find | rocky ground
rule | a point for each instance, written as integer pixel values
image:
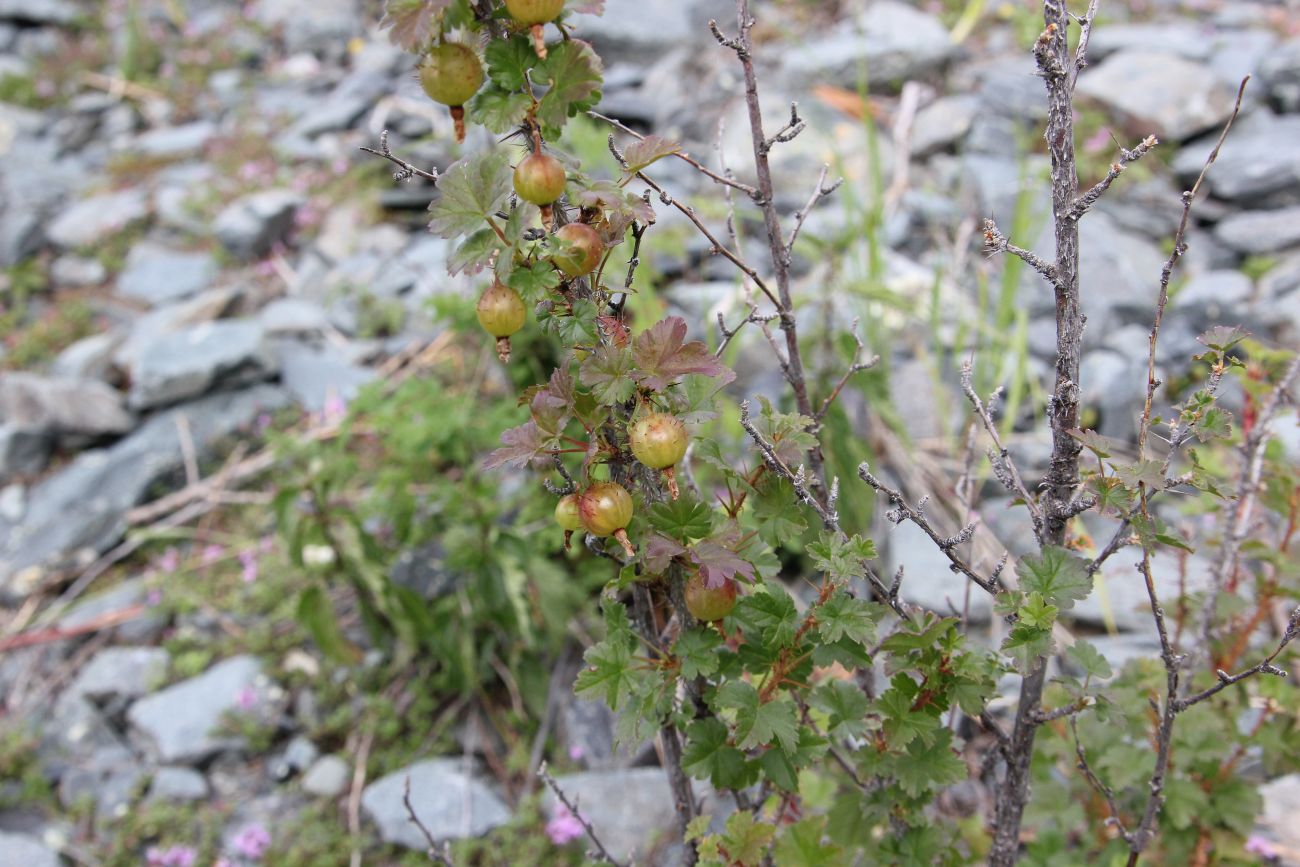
(194, 251)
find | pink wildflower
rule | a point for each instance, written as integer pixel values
(563, 827)
(576, 752)
(248, 560)
(212, 553)
(252, 842)
(170, 560)
(246, 698)
(1261, 846)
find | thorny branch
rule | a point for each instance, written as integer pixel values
(821, 192)
(799, 481)
(405, 171)
(1084, 203)
(793, 368)
(440, 856)
(601, 853)
(859, 364)
(901, 512)
(683, 156)
(996, 242)
(1003, 466)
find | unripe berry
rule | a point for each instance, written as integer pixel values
(582, 252)
(501, 313)
(566, 515)
(709, 603)
(539, 179)
(606, 510)
(530, 12)
(659, 441)
(450, 74)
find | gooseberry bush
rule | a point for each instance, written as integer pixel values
(804, 712)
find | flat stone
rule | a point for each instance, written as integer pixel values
(942, 124)
(59, 406)
(94, 220)
(1261, 231)
(328, 777)
(250, 226)
(1280, 72)
(644, 29)
(108, 778)
(1259, 165)
(176, 784)
(126, 594)
(316, 376)
(20, 850)
(293, 317)
(159, 275)
(99, 486)
(448, 799)
(927, 579)
(175, 141)
(894, 40)
(631, 809)
(1187, 40)
(77, 271)
(188, 363)
(179, 724)
(204, 307)
(312, 25)
(38, 12)
(23, 452)
(1281, 799)
(1158, 93)
(121, 672)
(89, 358)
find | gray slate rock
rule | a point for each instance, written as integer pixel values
(204, 307)
(38, 12)
(632, 810)
(121, 672)
(250, 226)
(293, 317)
(77, 271)
(1258, 166)
(313, 376)
(1216, 298)
(89, 358)
(328, 777)
(1280, 72)
(158, 274)
(895, 40)
(20, 850)
(179, 724)
(22, 452)
(1185, 39)
(322, 26)
(1261, 231)
(927, 579)
(175, 784)
(942, 124)
(175, 141)
(59, 406)
(451, 803)
(1159, 93)
(642, 30)
(188, 363)
(91, 221)
(144, 629)
(99, 486)
(108, 778)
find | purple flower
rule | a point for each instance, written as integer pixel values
(170, 560)
(154, 598)
(248, 559)
(335, 408)
(563, 827)
(1261, 846)
(212, 553)
(576, 752)
(246, 698)
(173, 856)
(252, 842)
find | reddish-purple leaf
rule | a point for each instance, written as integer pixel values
(658, 552)
(663, 356)
(719, 564)
(519, 445)
(412, 21)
